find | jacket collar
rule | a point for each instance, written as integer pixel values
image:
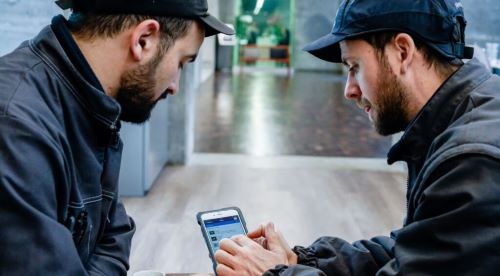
(72, 50)
(74, 70)
(438, 113)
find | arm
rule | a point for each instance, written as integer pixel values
(111, 254)
(455, 227)
(334, 256)
(33, 240)
(270, 254)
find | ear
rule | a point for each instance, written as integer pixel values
(144, 39)
(405, 49)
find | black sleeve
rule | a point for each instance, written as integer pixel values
(32, 240)
(456, 225)
(334, 256)
(111, 253)
(33, 196)
(110, 257)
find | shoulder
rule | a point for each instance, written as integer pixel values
(29, 91)
(475, 128)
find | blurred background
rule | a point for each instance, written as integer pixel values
(260, 124)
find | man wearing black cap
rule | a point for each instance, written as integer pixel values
(62, 97)
(406, 71)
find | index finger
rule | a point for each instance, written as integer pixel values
(243, 241)
(259, 232)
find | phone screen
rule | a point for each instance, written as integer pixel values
(220, 228)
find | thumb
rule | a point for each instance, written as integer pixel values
(272, 237)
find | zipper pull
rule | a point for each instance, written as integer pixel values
(113, 139)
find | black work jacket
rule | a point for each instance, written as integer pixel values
(59, 166)
(452, 227)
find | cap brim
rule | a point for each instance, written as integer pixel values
(214, 26)
(326, 48)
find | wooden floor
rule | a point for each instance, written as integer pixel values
(304, 202)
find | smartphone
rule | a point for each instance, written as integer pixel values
(219, 224)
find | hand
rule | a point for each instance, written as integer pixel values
(259, 236)
(243, 256)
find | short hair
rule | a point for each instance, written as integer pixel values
(91, 26)
(444, 66)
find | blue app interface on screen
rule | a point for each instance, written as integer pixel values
(220, 228)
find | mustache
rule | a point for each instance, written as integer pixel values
(363, 102)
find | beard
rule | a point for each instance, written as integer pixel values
(393, 103)
(137, 91)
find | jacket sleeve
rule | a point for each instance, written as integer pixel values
(455, 230)
(111, 254)
(334, 256)
(32, 240)
(33, 198)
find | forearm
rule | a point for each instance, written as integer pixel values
(112, 252)
(334, 256)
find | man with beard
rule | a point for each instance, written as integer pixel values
(406, 71)
(62, 96)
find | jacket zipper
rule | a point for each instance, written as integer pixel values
(114, 132)
(407, 187)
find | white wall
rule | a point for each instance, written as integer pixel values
(23, 19)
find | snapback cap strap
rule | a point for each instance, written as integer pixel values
(460, 50)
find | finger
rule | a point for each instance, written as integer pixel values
(229, 246)
(262, 241)
(243, 241)
(290, 255)
(222, 257)
(273, 240)
(283, 242)
(257, 233)
(223, 269)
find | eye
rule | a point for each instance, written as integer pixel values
(353, 69)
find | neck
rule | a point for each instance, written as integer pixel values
(106, 58)
(427, 81)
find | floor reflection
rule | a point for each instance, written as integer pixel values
(264, 114)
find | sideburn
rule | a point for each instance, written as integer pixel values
(136, 93)
(393, 102)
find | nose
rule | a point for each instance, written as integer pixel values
(173, 87)
(352, 90)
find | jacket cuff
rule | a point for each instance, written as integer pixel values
(275, 271)
(305, 256)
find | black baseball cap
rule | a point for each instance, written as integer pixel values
(438, 23)
(192, 9)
